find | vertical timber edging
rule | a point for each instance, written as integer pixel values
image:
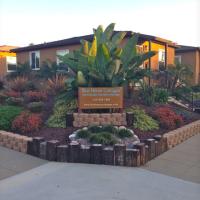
(117, 155)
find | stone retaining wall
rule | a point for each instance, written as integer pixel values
(86, 119)
(14, 141)
(179, 135)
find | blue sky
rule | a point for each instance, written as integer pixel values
(36, 21)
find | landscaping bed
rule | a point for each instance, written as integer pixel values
(43, 105)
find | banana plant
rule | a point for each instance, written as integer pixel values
(103, 62)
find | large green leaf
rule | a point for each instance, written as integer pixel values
(108, 32)
(117, 38)
(99, 34)
(129, 50)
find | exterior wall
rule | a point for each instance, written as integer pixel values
(50, 54)
(192, 59)
(45, 54)
(3, 63)
(3, 69)
(170, 55)
(22, 57)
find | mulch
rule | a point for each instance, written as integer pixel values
(62, 134)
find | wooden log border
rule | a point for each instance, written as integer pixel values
(98, 154)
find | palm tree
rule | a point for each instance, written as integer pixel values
(177, 76)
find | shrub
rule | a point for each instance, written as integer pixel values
(56, 84)
(3, 98)
(105, 138)
(181, 92)
(13, 93)
(58, 118)
(161, 95)
(36, 106)
(7, 115)
(148, 94)
(19, 84)
(142, 121)
(15, 101)
(168, 118)
(124, 133)
(83, 133)
(196, 88)
(27, 123)
(110, 128)
(21, 70)
(48, 70)
(36, 96)
(30, 86)
(95, 129)
(185, 114)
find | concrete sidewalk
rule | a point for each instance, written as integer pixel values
(182, 162)
(13, 162)
(54, 181)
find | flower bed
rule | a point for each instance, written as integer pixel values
(118, 154)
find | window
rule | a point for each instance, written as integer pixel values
(61, 53)
(11, 63)
(161, 59)
(139, 49)
(178, 59)
(35, 60)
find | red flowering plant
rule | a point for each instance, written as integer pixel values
(34, 96)
(12, 93)
(26, 123)
(168, 118)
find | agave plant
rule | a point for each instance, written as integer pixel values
(103, 62)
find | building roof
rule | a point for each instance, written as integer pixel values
(76, 41)
(7, 48)
(184, 48)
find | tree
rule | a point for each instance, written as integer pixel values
(177, 76)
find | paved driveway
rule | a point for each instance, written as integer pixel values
(51, 180)
(13, 162)
(182, 162)
(55, 181)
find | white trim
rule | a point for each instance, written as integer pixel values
(37, 53)
(161, 51)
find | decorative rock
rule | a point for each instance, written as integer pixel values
(141, 147)
(74, 151)
(85, 154)
(36, 145)
(51, 150)
(119, 154)
(96, 154)
(62, 153)
(108, 156)
(72, 137)
(43, 146)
